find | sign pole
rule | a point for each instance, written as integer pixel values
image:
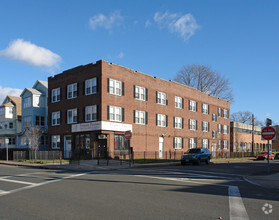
(7, 149)
(268, 168)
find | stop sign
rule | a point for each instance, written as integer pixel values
(268, 133)
(128, 135)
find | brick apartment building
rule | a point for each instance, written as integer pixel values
(91, 106)
(241, 138)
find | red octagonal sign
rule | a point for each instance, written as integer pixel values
(128, 135)
(268, 133)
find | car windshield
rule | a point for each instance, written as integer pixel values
(193, 151)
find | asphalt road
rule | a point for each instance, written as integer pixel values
(166, 192)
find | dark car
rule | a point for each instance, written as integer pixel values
(196, 156)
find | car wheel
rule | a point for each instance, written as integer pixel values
(198, 161)
(182, 163)
(207, 161)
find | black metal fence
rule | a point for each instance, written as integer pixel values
(38, 155)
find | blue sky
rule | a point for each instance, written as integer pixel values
(238, 39)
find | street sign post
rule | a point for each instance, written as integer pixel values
(128, 136)
(7, 149)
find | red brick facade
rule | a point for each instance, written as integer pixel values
(145, 137)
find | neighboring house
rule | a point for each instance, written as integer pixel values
(10, 121)
(91, 106)
(241, 138)
(34, 112)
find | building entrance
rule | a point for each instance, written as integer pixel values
(102, 148)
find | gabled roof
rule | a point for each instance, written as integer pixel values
(44, 83)
(15, 101)
(32, 91)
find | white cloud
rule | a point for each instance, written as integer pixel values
(8, 91)
(184, 25)
(107, 22)
(147, 24)
(32, 54)
(120, 55)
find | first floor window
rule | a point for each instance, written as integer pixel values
(55, 141)
(161, 120)
(192, 143)
(219, 144)
(225, 144)
(72, 116)
(23, 141)
(12, 141)
(115, 113)
(91, 113)
(55, 118)
(178, 122)
(140, 117)
(205, 143)
(178, 143)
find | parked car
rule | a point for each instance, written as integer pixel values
(196, 156)
(263, 156)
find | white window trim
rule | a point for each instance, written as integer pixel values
(91, 84)
(205, 126)
(178, 122)
(55, 93)
(178, 143)
(93, 109)
(205, 109)
(205, 143)
(192, 143)
(113, 89)
(138, 119)
(225, 129)
(112, 112)
(193, 126)
(54, 116)
(225, 113)
(193, 106)
(71, 120)
(73, 93)
(141, 94)
(54, 140)
(161, 120)
(161, 98)
(178, 102)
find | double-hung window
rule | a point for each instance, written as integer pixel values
(161, 98)
(192, 143)
(214, 118)
(161, 120)
(115, 87)
(140, 93)
(27, 121)
(225, 113)
(192, 105)
(55, 141)
(214, 134)
(40, 121)
(91, 86)
(139, 117)
(225, 129)
(72, 116)
(219, 144)
(178, 102)
(72, 91)
(55, 118)
(219, 112)
(91, 113)
(178, 122)
(225, 144)
(219, 128)
(178, 143)
(27, 102)
(115, 113)
(205, 143)
(192, 124)
(205, 126)
(55, 95)
(205, 109)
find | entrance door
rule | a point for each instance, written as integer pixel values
(102, 149)
(213, 150)
(67, 146)
(161, 147)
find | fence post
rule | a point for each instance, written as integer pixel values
(155, 156)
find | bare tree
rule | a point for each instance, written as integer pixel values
(246, 118)
(33, 135)
(205, 80)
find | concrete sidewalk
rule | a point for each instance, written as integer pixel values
(270, 181)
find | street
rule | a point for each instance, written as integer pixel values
(160, 192)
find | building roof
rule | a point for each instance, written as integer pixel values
(15, 101)
(44, 83)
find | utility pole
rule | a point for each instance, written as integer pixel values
(253, 140)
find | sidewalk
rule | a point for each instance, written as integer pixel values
(270, 181)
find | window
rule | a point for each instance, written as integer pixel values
(192, 143)
(23, 141)
(43, 140)
(140, 93)
(192, 124)
(2, 111)
(40, 121)
(205, 126)
(140, 117)
(219, 128)
(219, 144)
(225, 129)
(192, 106)
(214, 118)
(72, 91)
(72, 116)
(55, 118)
(12, 141)
(11, 125)
(10, 110)
(91, 113)
(178, 122)
(91, 86)
(36, 100)
(225, 113)
(219, 112)
(27, 102)
(205, 108)
(178, 143)
(225, 144)
(161, 98)
(178, 102)
(55, 95)
(55, 143)
(115, 113)
(27, 121)
(161, 120)
(214, 134)
(205, 143)
(115, 87)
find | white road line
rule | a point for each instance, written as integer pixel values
(16, 181)
(2, 192)
(237, 208)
